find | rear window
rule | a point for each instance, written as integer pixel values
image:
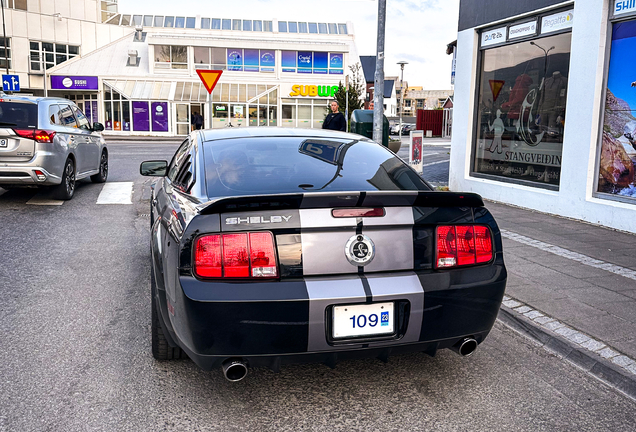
(23, 115)
(252, 166)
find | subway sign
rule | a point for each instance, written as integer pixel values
(313, 90)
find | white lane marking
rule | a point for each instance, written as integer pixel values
(41, 199)
(574, 256)
(435, 163)
(573, 335)
(116, 193)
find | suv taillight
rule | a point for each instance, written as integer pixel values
(42, 136)
(240, 255)
(463, 245)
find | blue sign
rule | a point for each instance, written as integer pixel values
(305, 61)
(235, 59)
(11, 83)
(335, 61)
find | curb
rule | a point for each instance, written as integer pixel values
(590, 362)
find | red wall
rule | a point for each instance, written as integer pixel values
(430, 120)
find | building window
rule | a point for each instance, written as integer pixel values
(171, 57)
(313, 28)
(5, 53)
(521, 110)
(282, 26)
(191, 22)
(236, 24)
(169, 22)
(158, 21)
(147, 21)
(268, 26)
(618, 143)
(136, 21)
(216, 24)
(293, 27)
(333, 28)
(247, 25)
(322, 28)
(420, 103)
(302, 27)
(227, 24)
(108, 7)
(210, 58)
(125, 20)
(21, 4)
(342, 29)
(258, 25)
(205, 23)
(179, 22)
(50, 54)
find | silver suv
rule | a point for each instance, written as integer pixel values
(49, 142)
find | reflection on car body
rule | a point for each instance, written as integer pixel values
(279, 246)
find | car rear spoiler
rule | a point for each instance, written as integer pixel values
(341, 199)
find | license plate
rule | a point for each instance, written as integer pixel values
(363, 320)
(3, 142)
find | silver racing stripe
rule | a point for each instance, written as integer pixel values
(325, 292)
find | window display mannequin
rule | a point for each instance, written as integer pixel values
(517, 96)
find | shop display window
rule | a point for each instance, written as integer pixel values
(618, 143)
(521, 111)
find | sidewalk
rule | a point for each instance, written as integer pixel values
(572, 285)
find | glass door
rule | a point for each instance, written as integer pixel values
(182, 118)
(220, 119)
(238, 113)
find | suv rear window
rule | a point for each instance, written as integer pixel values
(273, 165)
(19, 115)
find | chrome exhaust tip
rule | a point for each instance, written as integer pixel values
(465, 347)
(234, 370)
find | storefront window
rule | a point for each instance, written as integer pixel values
(618, 144)
(521, 111)
(171, 57)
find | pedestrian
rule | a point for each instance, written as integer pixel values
(198, 121)
(335, 120)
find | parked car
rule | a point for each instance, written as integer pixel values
(272, 246)
(395, 129)
(49, 142)
(407, 128)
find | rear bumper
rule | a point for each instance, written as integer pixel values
(269, 324)
(24, 175)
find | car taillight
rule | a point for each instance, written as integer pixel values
(240, 255)
(38, 135)
(462, 245)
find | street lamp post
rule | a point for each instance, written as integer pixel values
(401, 63)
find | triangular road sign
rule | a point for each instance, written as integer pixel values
(209, 78)
(495, 88)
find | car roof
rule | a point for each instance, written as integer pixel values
(35, 99)
(263, 132)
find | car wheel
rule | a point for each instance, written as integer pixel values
(66, 189)
(102, 175)
(161, 350)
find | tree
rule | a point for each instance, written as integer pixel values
(356, 91)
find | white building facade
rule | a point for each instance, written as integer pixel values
(274, 73)
(545, 107)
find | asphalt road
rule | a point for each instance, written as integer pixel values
(75, 332)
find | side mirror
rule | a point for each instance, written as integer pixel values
(98, 127)
(154, 168)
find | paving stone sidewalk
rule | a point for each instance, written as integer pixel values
(582, 275)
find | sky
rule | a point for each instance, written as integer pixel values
(620, 77)
(417, 31)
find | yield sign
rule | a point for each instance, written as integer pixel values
(495, 87)
(209, 78)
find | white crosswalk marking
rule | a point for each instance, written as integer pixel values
(42, 199)
(116, 193)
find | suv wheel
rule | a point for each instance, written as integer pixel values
(161, 350)
(102, 175)
(66, 189)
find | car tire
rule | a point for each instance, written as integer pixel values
(66, 189)
(102, 175)
(161, 350)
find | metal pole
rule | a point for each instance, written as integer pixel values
(347, 102)
(378, 92)
(4, 34)
(401, 100)
(210, 109)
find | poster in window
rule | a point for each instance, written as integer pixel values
(618, 143)
(140, 117)
(159, 116)
(234, 59)
(321, 62)
(250, 60)
(268, 60)
(289, 61)
(305, 61)
(521, 110)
